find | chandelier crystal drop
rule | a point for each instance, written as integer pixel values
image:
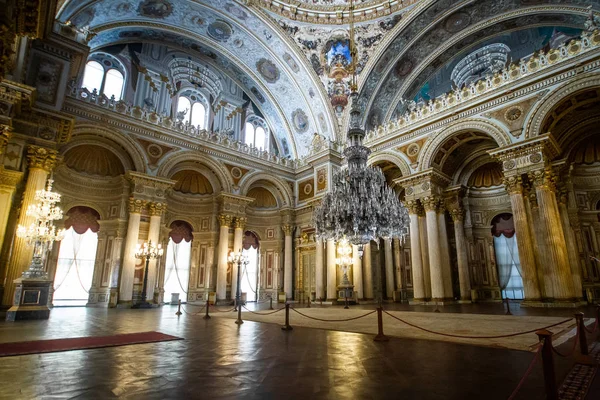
(360, 206)
(42, 232)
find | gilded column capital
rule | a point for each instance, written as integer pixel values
(414, 207)
(513, 184)
(240, 223)
(157, 209)
(533, 199)
(431, 203)
(136, 205)
(225, 219)
(457, 214)
(5, 134)
(287, 229)
(41, 157)
(543, 179)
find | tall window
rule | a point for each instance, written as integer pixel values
(177, 262)
(249, 284)
(191, 109)
(102, 73)
(256, 133)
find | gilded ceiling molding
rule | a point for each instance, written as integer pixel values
(430, 147)
(541, 110)
(285, 194)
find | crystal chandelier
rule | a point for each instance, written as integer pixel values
(360, 206)
(344, 259)
(42, 232)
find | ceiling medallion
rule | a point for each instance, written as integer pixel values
(300, 120)
(513, 114)
(457, 22)
(155, 9)
(220, 30)
(268, 70)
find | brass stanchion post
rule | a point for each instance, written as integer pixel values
(287, 326)
(380, 336)
(507, 306)
(436, 307)
(584, 357)
(271, 302)
(308, 306)
(206, 316)
(346, 302)
(548, 364)
(178, 313)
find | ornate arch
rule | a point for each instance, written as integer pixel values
(538, 115)
(74, 202)
(214, 171)
(397, 159)
(500, 136)
(173, 218)
(284, 195)
(107, 138)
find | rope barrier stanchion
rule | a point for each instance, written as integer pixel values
(527, 373)
(584, 355)
(206, 316)
(178, 313)
(266, 313)
(436, 307)
(270, 302)
(239, 316)
(548, 364)
(308, 306)
(287, 326)
(507, 306)
(380, 337)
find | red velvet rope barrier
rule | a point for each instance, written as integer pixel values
(527, 372)
(267, 313)
(334, 320)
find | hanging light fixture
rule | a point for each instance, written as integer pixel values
(360, 206)
(42, 232)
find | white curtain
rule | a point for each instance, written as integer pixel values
(75, 269)
(509, 266)
(250, 273)
(177, 269)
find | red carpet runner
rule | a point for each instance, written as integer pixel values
(79, 343)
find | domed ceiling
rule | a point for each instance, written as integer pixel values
(94, 160)
(191, 182)
(262, 198)
(486, 176)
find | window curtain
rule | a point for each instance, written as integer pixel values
(177, 265)
(75, 269)
(504, 258)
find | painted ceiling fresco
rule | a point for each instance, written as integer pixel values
(242, 44)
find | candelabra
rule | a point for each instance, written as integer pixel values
(42, 232)
(239, 259)
(344, 260)
(148, 251)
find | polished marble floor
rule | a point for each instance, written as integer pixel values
(218, 359)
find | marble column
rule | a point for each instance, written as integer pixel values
(538, 243)
(288, 277)
(397, 250)
(424, 254)
(543, 181)
(319, 274)
(514, 187)
(331, 271)
(8, 185)
(238, 238)
(464, 277)
(357, 272)
(389, 269)
(572, 251)
(224, 222)
(445, 254)
(131, 240)
(431, 205)
(416, 260)
(156, 211)
(367, 272)
(40, 162)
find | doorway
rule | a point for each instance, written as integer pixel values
(177, 262)
(249, 283)
(507, 257)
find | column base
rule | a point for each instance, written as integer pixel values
(98, 298)
(124, 303)
(144, 305)
(30, 300)
(441, 302)
(224, 302)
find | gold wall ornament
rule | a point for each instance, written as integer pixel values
(157, 209)
(136, 205)
(457, 214)
(414, 207)
(431, 203)
(543, 179)
(41, 157)
(225, 219)
(5, 134)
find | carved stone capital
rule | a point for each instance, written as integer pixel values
(543, 179)
(136, 205)
(457, 214)
(240, 223)
(225, 219)
(414, 207)
(157, 209)
(431, 203)
(513, 184)
(287, 229)
(5, 134)
(41, 157)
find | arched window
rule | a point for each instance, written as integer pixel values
(191, 108)
(256, 133)
(104, 73)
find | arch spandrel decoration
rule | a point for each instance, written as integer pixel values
(538, 115)
(284, 195)
(500, 136)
